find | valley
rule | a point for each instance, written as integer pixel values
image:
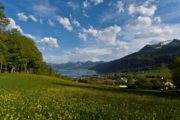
(89, 60)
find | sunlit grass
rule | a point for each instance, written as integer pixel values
(25, 96)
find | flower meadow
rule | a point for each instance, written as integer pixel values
(34, 97)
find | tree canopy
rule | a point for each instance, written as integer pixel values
(19, 53)
(4, 21)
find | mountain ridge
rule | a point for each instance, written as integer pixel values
(149, 56)
(76, 65)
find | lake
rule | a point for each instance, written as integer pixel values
(76, 72)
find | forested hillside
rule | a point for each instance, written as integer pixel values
(19, 53)
(149, 57)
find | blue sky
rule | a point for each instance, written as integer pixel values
(82, 30)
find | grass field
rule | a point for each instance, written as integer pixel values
(25, 96)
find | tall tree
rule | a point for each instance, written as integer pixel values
(18, 52)
(3, 50)
(4, 21)
(176, 72)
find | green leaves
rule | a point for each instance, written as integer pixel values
(3, 19)
(20, 53)
(176, 72)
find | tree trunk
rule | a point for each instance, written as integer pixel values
(18, 70)
(12, 69)
(25, 68)
(1, 66)
(5, 68)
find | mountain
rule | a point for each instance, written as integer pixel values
(76, 65)
(76, 69)
(148, 57)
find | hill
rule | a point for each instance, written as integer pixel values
(148, 57)
(27, 96)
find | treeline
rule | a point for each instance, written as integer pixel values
(19, 53)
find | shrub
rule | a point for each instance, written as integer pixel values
(175, 67)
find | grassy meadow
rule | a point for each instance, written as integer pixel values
(25, 96)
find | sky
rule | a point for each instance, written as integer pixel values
(93, 30)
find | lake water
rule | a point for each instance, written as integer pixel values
(76, 72)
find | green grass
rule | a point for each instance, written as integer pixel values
(24, 96)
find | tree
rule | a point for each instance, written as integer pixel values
(165, 72)
(175, 67)
(19, 53)
(3, 50)
(2, 55)
(4, 21)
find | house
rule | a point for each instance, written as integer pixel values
(123, 86)
(108, 82)
(167, 86)
(124, 79)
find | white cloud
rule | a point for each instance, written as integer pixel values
(86, 4)
(44, 9)
(141, 36)
(65, 22)
(114, 42)
(56, 59)
(106, 38)
(78, 54)
(88, 54)
(92, 51)
(73, 5)
(149, 2)
(107, 35)
(114, 12)
(50, 22)
(120, 6)
(50, 41)
(147, 26)
(41, 21)
(154, 34)
(155, 31)
(76, 23)
(29, 36)
(139, 32)
(82, 36)
(33, 18)
(85, 13)
(157, 19)
(142, 10)
(21, 16)
(97, 2)
(143, 22)
(13, 25)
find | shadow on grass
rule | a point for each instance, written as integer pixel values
(157, 93)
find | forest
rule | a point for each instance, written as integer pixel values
(19, 53)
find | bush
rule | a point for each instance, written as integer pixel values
(156, 84)
(175, 67)
(120, 82)
(143, 84)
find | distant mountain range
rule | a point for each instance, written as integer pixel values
(76, 65)
(148, 57)
(76, 69)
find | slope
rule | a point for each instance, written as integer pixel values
(148, 57)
